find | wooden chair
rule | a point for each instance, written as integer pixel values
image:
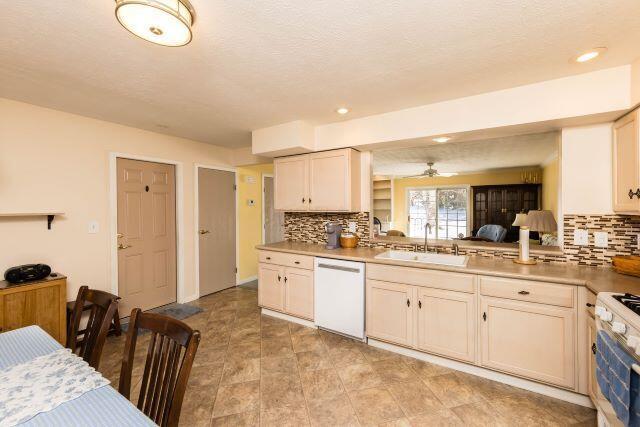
(172, 348)
(103, 307)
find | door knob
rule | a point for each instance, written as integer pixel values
(203, 231)
(121, 246)
(119, 235)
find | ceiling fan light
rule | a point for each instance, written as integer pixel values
(163, 22)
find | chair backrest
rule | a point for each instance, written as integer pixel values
(172, 348)
(493, 232)
(103, 307)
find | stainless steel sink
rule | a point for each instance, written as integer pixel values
(426, 258)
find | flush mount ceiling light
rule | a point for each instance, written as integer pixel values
(164, 22)
(342, 110)
(591, 54)
(441, 139)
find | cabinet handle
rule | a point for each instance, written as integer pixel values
(589, 304)
(303, 199)
(638, 193)
(408, 302)
(419, 304)
(484, 316)
(524, 292)
(630, 193)
(296, 262)
(268, 258)
(285, 279)
(310, 198)
(593, 348)
(279, 277)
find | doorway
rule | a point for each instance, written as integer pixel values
(272, 220)
(146, 234)
(216, 229)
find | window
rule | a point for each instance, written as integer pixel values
(445, 209)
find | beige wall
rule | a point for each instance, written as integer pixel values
(586, 170)
(550, 187)
(51, 160)
(250, 217)
(401, 185)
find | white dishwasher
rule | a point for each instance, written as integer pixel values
(339, 296)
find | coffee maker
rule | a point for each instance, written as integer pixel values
(333, 230)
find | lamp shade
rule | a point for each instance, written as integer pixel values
(542, 221)
(521, 219)
(164, 22)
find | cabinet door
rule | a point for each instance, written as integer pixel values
(446, 323)
(271, 286)
(390, 312)
(592, 383)
(299, 292)
(531, 340)
(496, 205)
(330, 181)
(291, 183)
(625, 163)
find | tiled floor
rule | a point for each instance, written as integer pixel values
(258, 370)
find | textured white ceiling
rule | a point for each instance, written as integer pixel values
(259, 63)
(468, 156)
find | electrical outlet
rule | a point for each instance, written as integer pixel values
(94, 227)
(580, 237)
(601, 239)
(353, 226)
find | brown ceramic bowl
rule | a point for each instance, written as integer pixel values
(349, 240)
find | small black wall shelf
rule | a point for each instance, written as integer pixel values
(48, 215)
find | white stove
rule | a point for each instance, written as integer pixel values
(619, 316)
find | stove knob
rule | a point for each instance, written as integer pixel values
(599, 309)
(633, 341)
(619, 328)
(605, 315)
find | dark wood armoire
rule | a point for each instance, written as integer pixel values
(499, 204)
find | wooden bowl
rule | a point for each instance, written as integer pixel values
(349, 240)
(629, 264)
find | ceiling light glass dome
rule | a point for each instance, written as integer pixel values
(164, 22)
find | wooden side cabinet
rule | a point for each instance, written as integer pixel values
(626, 168)
(389, 312)
(41, 303)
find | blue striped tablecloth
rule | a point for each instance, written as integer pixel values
(101, 407)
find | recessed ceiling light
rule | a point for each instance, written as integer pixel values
(164, 22)
(442, 139)
(592, 54)
(342, 110)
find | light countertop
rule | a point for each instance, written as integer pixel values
(596, 279)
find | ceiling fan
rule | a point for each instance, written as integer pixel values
(431, 172)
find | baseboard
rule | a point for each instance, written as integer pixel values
(277, 314)
(566, 395)
(247, 280)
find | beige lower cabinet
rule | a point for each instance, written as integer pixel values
(285, 283)
(389, 312)
(299, 292)
(446, 323)
(592, 383)
(271, 286)
(531, 340)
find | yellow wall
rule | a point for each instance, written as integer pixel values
(550, 188)
(250, 217)
(400, 188)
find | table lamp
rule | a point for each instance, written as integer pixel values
(523, 241)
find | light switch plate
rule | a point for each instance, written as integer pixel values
(580, 237)
(94, 227)
(601, 239)
(353, 226)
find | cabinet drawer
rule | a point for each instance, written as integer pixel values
(422, 277)
(528, 290)
(288, 260)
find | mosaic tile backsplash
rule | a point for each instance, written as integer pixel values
(622, 233)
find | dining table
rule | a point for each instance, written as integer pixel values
(102, 406)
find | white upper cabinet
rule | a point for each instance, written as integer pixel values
(626, 168)
(327, 181)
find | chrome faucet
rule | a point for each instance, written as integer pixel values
(427, 230)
